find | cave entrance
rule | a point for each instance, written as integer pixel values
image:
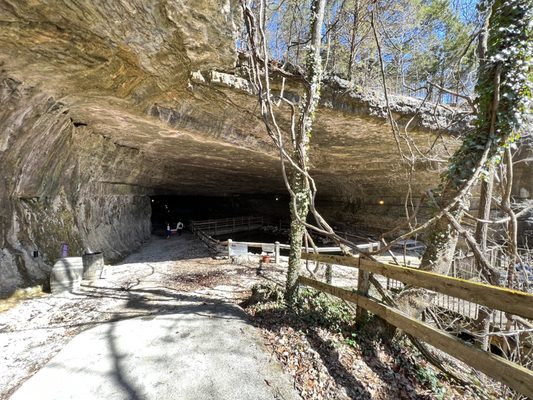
(171, 209)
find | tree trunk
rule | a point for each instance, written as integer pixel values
(495, 125)
(482, 322)
(301, 192)
(485, 201)
(504, 95)
(353, 38)
(329, 274)
(298, 213)
(442, 242)
(511, 248)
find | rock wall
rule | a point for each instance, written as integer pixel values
(49, 165)
(104, 103)
(114, 224)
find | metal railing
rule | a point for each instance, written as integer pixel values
(228, 225)
(241, 248)
(204, 230)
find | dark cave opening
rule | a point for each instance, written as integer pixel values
(172, 208)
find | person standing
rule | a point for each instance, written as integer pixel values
(179, 227)
(168, 231)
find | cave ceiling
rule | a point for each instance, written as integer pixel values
(159, 78)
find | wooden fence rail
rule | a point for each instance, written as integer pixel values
(513, 375)
(511, 301)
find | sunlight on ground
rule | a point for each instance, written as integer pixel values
(406, 260)
(20, 295)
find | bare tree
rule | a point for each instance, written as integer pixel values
(297, 178)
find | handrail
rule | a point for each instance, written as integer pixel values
(278, 246)
(228, 221)
(198, 227)
(508, 300)
(513, 375)
(311, 250)
(205, 238)
(228, 225)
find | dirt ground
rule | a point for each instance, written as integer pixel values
(165, 273)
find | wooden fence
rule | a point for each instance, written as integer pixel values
(506, 300)
(497, 298)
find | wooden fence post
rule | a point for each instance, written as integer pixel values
(363, 286)
(276, 252)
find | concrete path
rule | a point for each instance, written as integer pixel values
(163, 325)
(201, 351)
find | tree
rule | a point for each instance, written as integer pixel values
(298, 181)
(301, 187)
(504, 88)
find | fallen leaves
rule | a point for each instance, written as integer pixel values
(324, 366)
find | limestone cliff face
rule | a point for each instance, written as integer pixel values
(76, 79)
(128, 48)
(47, 193)
(103, 103)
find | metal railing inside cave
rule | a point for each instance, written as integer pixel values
(228, 225)
(206, 229)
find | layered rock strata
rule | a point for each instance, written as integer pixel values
(105, 103)
(48, 194)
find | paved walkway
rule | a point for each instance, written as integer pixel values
(204, 351)
(186, 346)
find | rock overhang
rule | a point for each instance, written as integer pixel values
(150, 78)
(106, 103)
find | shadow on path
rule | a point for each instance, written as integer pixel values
(118, 374)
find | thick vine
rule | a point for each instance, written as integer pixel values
(506, 74)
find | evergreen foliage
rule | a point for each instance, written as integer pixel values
(507, 76)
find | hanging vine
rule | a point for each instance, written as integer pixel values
(504, 88)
